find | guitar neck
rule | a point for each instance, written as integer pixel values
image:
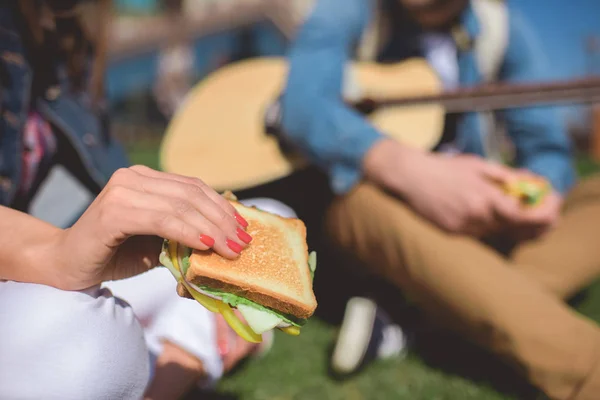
(497, 97)
(484, 98)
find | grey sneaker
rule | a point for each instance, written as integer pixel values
(366, 334)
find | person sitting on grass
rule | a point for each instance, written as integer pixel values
(63, 333)
(423, 220)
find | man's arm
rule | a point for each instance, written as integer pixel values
(25, 255)
(539, 134)
(334, 136)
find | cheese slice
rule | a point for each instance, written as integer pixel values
(260, 321)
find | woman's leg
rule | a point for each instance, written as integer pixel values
(64, 345)
(180, 333)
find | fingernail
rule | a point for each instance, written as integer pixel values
(234, 246)
(244, 236)
(223, 347)
(240, 220)
(207, 240)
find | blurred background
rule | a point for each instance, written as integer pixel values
(217, 32)
(148, 74)
(160, 49)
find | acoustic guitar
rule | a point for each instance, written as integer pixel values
(220, 135)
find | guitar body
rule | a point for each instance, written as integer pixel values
(219, 132)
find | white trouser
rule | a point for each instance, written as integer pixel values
(89, 345)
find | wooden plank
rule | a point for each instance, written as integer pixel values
(132, 36)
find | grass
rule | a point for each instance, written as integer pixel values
(297, 369)
(145, 153)
(440, 368)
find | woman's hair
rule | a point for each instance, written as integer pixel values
(62, 30)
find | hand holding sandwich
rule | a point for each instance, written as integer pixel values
(269, 286)
(458, 193)
(463, 194)
(120, 234)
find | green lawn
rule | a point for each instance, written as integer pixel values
(441, 368)
(297, 369)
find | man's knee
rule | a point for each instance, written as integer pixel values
(587, 191)
(69, 345)
(380, 230)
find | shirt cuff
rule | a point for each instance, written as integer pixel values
(345, 174)
(559, 172)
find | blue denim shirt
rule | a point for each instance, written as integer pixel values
(336, 137)
(71, 114)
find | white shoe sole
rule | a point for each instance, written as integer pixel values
(354, 335)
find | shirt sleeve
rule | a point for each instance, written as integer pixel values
(314, 117)
(538, 133)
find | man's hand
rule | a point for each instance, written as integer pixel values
(535, 219)
(460, 194)
(538, 219)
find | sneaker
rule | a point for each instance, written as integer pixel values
(366, 334)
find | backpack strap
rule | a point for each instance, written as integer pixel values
(489, 51)
(492, 42)
(373, 35)
(366, 49)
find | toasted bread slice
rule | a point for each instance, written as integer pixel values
(272, 271)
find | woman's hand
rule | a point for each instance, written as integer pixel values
(120, 234)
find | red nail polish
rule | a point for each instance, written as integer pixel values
(234, 246)
(240, 220)
(207, 240)
(243, 235)
(223, 347)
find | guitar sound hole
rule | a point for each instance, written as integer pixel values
(365, 106)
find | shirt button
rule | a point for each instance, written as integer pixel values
(52, 93)
(11, 118)
(89, 140)
(5, 183)
(338, 184)
(13, 58)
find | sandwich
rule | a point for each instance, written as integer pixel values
(530, 191)
(270, 283)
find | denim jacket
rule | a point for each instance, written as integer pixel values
(71, 114)
(336, 137)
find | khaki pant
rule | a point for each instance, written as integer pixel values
(512, 306)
